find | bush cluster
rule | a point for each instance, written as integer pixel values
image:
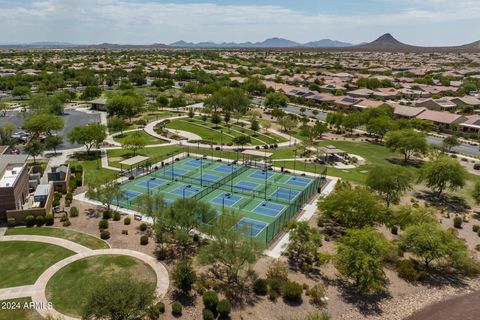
(73, 212)
(410, 271)
(144, 240)
(177, 308)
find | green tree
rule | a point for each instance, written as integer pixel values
(184, 276)
(390, 182)
(450, 142)
(254, 86)
(353, 208)
(408, 215)
(276, 100)
(443, 173)
(43, 123)
(46, 104)
(52, 142)
(104, 190)
(91, 92)
(335, 119)
(178, 102)
(125, 105)
(152, 205)
(476, 192)
(117, 124)
(134, 143)
(6, 132)
(380, 126)
(34, 148)
(242, 140)
(406, 141)
(229, 99)
(319, 129)
(90, 135)
(191, 113)
(360, 256)
(288, 122)
(216, 119)
(162, 101)
(229, 249)
(21, 91)
(431, 242)
(304, 247)
(254, 125)
(120, 297)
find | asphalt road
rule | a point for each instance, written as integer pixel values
(71, 118)
(466, 307)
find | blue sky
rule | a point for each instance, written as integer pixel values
(420, 22)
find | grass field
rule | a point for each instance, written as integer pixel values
(18, 309)
(221, 133)
(147, 138)
(22, 262)
(69, 288)
(78, 237)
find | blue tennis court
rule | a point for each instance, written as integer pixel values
(269, 209)
(246, 185)
(128, 195)
(226, 199)
(186, 191)
(286, 194)
(175, 171)
(299, 181)
(250, 227)
(194, 163)
(259, 174)
(151, 183)
(209, 177)
(225, 168)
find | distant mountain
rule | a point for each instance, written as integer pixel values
(276, 43)
(327, 43)
(385, 42)
(269, 43)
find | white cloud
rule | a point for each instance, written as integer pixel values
(122, 21)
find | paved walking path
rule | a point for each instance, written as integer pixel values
(2, 231)
(37, 290)
(67, 244)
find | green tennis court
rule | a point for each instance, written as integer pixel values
(265, 199)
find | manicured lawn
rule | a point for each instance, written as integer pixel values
(69, 288)
(78, 237)
(148, 138)
(18, 309)
(22, 262)
(93, 168)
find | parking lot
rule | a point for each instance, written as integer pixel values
(71, 118)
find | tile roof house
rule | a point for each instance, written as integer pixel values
(442, 104)
(441, 118)
(361, 93)
(406, 111)
(472, 124)
(367, 103)
(345, 101)
(471, 101)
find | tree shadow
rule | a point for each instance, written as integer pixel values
(366, 304)
(447, 202)
(442, 277)
(416, 163)
(185, 300)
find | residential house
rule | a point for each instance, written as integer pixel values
(442, 104)
(13, 183)
(444, 120)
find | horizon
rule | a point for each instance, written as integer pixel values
(157, 21)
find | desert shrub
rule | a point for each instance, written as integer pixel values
(30, 220)
(410, 271)
(11, 222)
(210, 300)
(69, 197)
(103, 224)
(260, 287)
(317, 294)
(457, 222)
(207, 314)
(116, 216)
(67, 223)
(275, 286)
(125, 232)
(177, 308)
(107, 214)
(49, 219)
(105, 235)
(78, 179)
(64, 217)
(143, 227)
(73, 212)
(144, 240)
(475, 228)
(40, 221)
(292, 291)
(278, 270)
(224, 307)
(196, 237)
(476, 166)
(127, 221)
(156, 310)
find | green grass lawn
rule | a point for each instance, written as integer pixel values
(93, 168)
(156, 154)
(22, 262)
(69, 288)
(18, 309)
(148, 138)
(78, 237)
